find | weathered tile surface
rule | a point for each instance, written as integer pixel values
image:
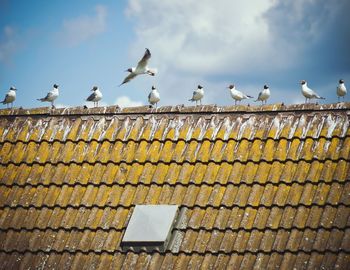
(258, 187)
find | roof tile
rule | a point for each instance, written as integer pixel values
(252, 186)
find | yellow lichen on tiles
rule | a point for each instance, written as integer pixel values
(172, 175)
(114, 195)
(6, 152)
(191, 151)
(342, 171)
(255, 195)
(160, 173)
(85, 131)
(276, 170)
(255, 150)
(22, 175)
(30, 152)
(210, 173)
(185, 173)
(204, 153)
(198, 173)
(109, 174)
(153, 195)
(328, 170)
(248, 218)
(110, 131)
(262, 172)
(241, 151)
(344, 151)
(268, 150)
(236, 172)
(250, 170)
(17, 153)
(167, 152)
(281, 150)
(242, 195)
(165, 194)
(133, 129)
(226, 152)
(203, 195)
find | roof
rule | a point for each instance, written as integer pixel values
(257, 187)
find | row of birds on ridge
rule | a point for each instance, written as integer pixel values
(154, 96)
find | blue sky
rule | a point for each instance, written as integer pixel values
(78, 44)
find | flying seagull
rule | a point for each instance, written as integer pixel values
(96, 96)
(198, 94)
(237, 95)
(264, 94)
(341, 90)
(141, 68)
(307, 92)
(10, 96)
(51, 96)
(154, 97)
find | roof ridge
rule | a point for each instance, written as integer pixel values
(177, 109)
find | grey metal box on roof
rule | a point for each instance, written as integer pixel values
(150, 227)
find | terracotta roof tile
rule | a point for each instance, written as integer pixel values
(257, 187)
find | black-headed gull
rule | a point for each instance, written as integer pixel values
(141, 68)
(341, 90)
(236, 94)
(10, 96)
(264, 94)
(154, 97)
(96, 96)
(51, 95)
(308, 93)
(198, 94)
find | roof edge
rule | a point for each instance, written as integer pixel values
(178, 109)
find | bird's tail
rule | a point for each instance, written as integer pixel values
(250, 96)
(41, 99)
(191, 99)
(321, 98)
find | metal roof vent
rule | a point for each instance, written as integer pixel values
(150, 227)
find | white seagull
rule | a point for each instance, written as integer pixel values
(264, 94)
(307, 92)
(51, 95)
(96, 96)
(198, 94)
(10, 96)
(141, 68)
(341, 90)
(154, 97)
(237, 95)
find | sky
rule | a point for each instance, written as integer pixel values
(78, 44)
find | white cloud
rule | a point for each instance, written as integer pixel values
(214, 43)
(207, 37)
(80, 29)
(8, 44)
(125, 101)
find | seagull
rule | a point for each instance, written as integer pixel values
(198, 94)
(264, 94)
(141, 68)
(307, 92)
(154, 97)
(96, 96)
(10, 96)
(237, 95)
(51, 95)
(341, 90)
